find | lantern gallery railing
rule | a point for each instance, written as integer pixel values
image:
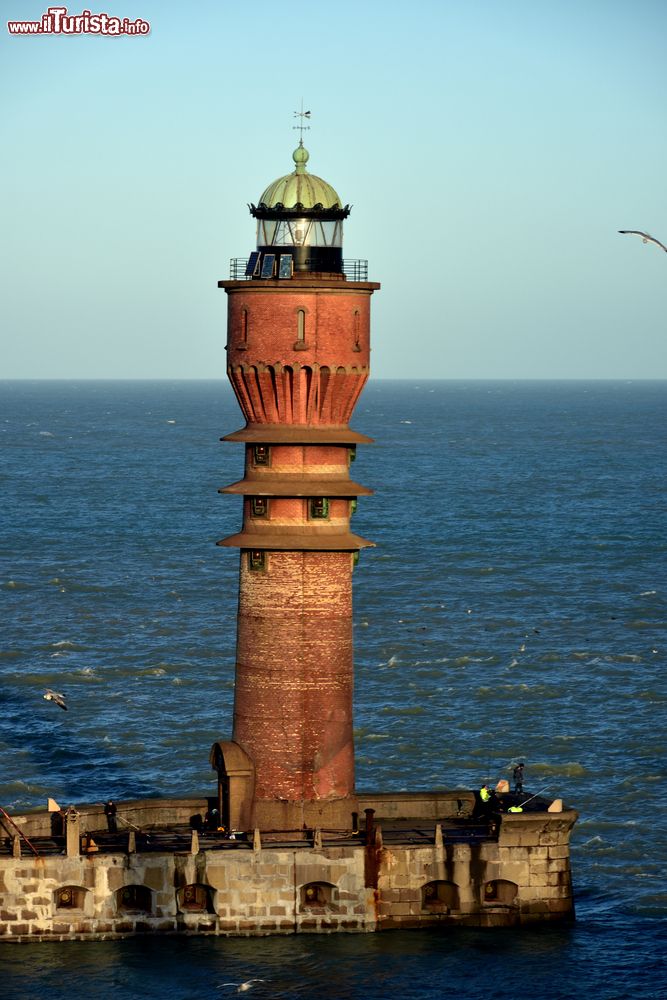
(280, 266)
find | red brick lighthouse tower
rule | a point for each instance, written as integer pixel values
(298, 358)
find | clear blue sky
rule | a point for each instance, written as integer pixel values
(490, 150)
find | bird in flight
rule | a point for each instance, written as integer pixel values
(242, 987)
(57, 699)
(645, 237)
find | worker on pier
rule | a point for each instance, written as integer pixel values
(110, 811)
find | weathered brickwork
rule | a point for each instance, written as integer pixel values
(263, 320)
(297, 394)
(298, 354)
(294, 674)
(298, 460)
(293, 512)
(287, 371)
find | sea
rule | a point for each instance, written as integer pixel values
(513, 608)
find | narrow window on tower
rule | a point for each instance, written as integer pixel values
(351, 454)
(256, 560)
(244, 328)
(319, 508)
(261, 454)
(259, 506)
(300, 344)
(357, 345)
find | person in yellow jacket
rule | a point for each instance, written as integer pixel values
(488, 802)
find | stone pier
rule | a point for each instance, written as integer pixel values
(415, 871)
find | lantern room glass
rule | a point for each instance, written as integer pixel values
(299, 232)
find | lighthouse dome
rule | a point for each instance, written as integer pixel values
(300, 188)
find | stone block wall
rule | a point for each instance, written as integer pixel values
(523, 877)
(235, 892)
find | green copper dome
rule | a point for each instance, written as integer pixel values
(299, 188)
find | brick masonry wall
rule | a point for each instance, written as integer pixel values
(292, 512)
(298, 353)
(296, 394)
(299, 461)
(263, 321)
(294, 675)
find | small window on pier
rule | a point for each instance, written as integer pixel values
(196, 899)
(256, 560)
(440, 896)
(135, 897)
(261, 454)
(319, 508)
(70, 897)
(316, 895)
(259, 506)
(499, 890)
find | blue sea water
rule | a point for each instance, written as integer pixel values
(514, 607)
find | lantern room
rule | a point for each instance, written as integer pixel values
(299, 225)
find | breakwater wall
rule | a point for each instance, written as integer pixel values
(399, 872)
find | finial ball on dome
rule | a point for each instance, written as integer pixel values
(300, 156)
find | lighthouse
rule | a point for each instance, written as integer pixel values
(298, 334)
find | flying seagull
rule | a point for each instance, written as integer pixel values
(645, 237)
(242, 987)
(58, 699)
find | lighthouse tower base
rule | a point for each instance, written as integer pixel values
(281, 817)
(241, 808)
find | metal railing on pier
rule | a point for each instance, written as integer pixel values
(178, 839)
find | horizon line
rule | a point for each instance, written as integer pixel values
(376, 378)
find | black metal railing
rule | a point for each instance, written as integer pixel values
(237, 268)
(178, 839)
(354, 270)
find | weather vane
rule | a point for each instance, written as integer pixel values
(301, 127)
